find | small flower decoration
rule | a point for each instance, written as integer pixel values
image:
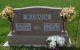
(7, 12)
(68, 13)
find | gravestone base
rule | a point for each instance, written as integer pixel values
(24, 40)
(17, 40)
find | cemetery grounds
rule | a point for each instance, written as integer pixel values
(73, 27)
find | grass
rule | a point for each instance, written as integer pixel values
(72, 26)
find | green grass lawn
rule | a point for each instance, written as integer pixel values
(72, 26)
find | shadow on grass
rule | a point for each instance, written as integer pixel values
(69, 48)
(28, 48)
(40, 48)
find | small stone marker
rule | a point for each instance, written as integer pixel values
(32, 25)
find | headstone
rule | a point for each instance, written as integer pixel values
(32, 25)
